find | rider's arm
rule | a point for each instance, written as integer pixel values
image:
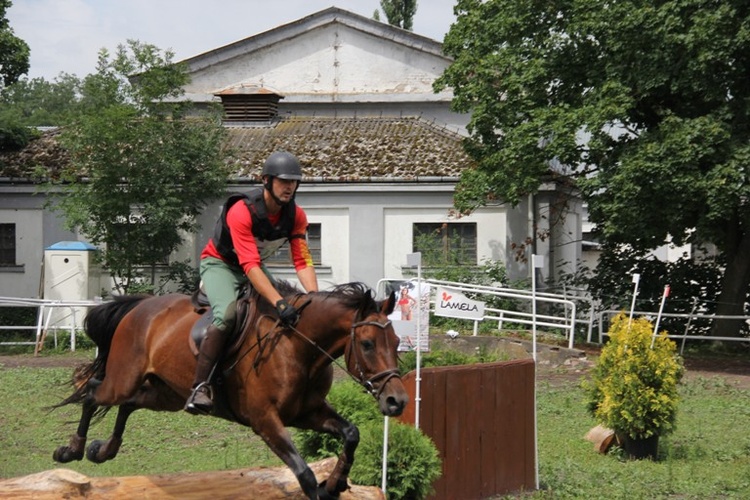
(308, 278)
(263, 285)
(301, 257)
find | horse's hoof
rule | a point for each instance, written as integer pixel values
(323, 494)
(92, 452)
(64, 454)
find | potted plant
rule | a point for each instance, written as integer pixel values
(633, 387)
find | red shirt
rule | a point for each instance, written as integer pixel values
(241, 228)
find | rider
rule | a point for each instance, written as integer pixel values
(245, 235)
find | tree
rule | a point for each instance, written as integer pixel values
(14, 52)
(644, 103)
(38, 102)
(140, 170)
(400, 12)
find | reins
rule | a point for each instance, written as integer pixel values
(368, 384)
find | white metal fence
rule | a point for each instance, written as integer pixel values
(45, 310)
(604, 317)
(561, 315)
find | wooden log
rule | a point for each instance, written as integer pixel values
(263, 482)
(602, 438)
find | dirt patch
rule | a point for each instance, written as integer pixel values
(565, 365)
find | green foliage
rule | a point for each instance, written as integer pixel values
(140, 172)
(413, 462)
(17, 316)
(695, 284)
(633, 388)
(399, 13)
(14, 52)
(37, 102)
(706, 457)
(445, 357)
(641, 104)
(13, 134)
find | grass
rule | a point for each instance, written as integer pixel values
(707, 457)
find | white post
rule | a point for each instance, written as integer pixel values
(636, 280)
(537, 262)
(658, 317)
(415, 259)
(385, 455)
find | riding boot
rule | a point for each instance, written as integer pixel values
(201, 400)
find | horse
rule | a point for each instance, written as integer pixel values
(274, 377)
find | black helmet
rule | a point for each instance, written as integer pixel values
(283, 165)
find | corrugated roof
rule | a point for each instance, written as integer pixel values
(331, 149)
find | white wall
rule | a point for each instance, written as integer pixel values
(23, 281)
(491, 234)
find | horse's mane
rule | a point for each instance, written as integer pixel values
(355, 295)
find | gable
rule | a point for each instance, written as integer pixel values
(328, 56)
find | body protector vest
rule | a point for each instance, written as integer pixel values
(268, 237)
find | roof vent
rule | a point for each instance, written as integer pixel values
(249, 103)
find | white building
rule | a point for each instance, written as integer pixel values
(381, 152)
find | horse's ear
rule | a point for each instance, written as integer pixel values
(389, 304)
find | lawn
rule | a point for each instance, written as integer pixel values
(707, 457)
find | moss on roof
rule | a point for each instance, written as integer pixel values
(331, 149)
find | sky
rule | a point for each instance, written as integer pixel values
(66, 35)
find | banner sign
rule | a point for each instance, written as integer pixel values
(454, 304)
(412, 308)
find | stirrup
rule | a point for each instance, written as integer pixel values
(200, 391)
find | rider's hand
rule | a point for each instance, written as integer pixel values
(287, 313)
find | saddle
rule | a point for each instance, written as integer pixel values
(245, 309)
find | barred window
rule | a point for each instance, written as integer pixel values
(446, 242)
(282, 257)
(7, 244)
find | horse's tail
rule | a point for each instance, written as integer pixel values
(101, 322)
(100, 325)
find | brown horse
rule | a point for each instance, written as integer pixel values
(273, 378)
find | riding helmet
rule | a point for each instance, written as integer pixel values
(283, 165)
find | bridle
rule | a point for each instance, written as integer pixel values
(368, 383)
(384, 376)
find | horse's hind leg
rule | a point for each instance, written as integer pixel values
(101, 451)
(74, 449)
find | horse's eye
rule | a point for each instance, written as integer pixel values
(368, 345)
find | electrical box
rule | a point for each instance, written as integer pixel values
(70, 274)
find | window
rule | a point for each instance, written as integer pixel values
(446, 242)
(7, 244)
(282, 258)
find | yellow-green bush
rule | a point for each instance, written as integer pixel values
(633, 387)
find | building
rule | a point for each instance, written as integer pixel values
(353, 99)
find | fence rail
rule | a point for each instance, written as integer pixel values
(44, 318)
(689, 316)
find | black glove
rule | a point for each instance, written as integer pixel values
(287, 313)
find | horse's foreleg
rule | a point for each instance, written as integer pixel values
(327, 420)
(275, 435)
(101, 451)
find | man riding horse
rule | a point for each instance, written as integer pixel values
(246, 234)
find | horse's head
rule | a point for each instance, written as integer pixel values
(371, 357)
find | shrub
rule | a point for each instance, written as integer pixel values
(413, 463)
(352, 403)
(446, 357)
(633, 387)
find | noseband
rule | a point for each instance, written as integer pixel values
(384, 376)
